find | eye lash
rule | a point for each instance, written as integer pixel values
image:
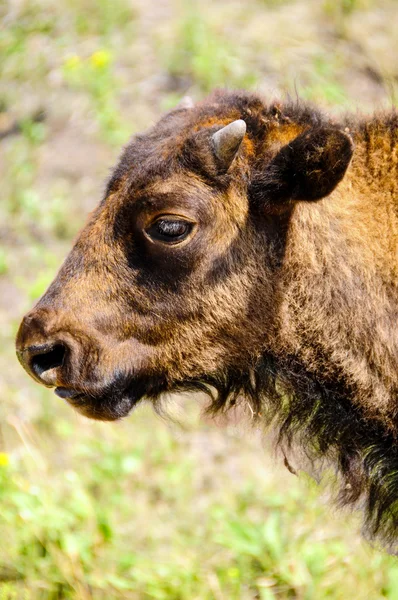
(169, 230)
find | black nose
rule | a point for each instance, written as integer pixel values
(42, 360)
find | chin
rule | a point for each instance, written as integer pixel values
(114, 401)
(105, 408)
(108, 409)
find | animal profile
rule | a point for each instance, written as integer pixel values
(247, 249)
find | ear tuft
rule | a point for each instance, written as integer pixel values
(226, 142)
(308, 168)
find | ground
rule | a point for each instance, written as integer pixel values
(149, 509)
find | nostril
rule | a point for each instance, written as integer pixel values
(46, 360)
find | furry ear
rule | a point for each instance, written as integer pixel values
(308, 168)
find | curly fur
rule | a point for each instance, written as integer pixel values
(320, 419)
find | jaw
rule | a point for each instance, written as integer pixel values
(118, 399)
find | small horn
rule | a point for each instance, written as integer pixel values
(185, 102)
(226, 142)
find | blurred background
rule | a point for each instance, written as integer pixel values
(148, 509)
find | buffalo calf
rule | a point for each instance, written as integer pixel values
(247, 249)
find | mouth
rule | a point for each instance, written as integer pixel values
(106, 407)
(113, 402)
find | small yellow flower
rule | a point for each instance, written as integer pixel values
(72, 62)
(100, 59)
(233, 572)
(4, 459)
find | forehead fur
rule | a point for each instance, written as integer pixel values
(162, 150)
(186, 190)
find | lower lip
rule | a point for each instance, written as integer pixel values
(66, 393)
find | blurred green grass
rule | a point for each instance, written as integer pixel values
(147, 509)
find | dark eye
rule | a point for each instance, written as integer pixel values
(169, 230)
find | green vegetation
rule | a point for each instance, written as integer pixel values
(94, 75)
(204, 56)
(144, 509)
(117, 513)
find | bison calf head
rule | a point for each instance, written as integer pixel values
(173, 283)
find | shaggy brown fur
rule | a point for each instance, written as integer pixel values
(284, 292)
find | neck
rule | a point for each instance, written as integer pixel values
(338, 283)
(376, 156)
